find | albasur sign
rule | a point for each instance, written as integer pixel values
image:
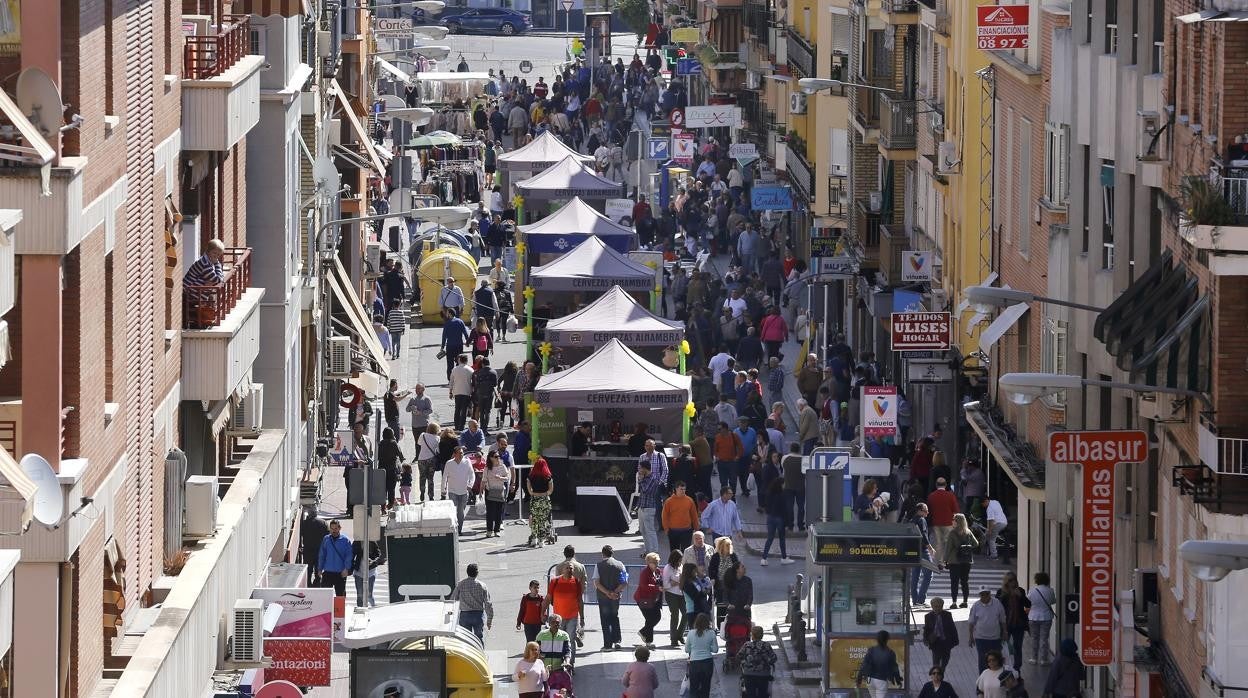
(1098, 453)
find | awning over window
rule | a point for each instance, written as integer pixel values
(1159, 329)
(1019, 461)
(997, 329)
(346, 296)
(17, 495)
(1213, 16)
(265, 8)
(388, 67)
(335, 91)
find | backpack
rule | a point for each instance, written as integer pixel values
(966, 551)
(481, 343)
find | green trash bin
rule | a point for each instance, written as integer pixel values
(422, 546)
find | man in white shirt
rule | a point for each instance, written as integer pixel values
(735, 303)
(718, 364)
(461, 390)
(987, 625)
(997, 522)
(457, 478)
(452, 297)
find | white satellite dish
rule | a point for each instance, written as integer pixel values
(49, 504)
(40, 101)
(325, 174)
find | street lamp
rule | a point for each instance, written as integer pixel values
(1026, 388)
(1002, 297)
(1212, 560)
(813, 85)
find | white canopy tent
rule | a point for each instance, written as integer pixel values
(613, 377)
(571, 225)
(615, 315)
(567, 179)
(592, 266)
(544, 151)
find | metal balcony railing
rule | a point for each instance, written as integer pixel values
(866, 103)
(898, 125)
(208, 56)
(800, 173)
(802, 54)
(204, 307)
(869, 223)
(1235, 189)
(838, 195)
(942, 17)
(1232, 456)
(900, 6)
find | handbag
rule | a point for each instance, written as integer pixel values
(684, 686)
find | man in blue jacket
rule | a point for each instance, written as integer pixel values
(454, 335)
(334, 560)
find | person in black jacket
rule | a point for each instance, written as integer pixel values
(1066, 673)
(940, 634)
(312, 530)
(389, 456)
(937, 687)
(879, 667)
(484, 381)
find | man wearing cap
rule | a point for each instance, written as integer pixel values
(987, 625)
(941, 505)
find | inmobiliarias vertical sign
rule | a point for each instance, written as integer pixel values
(1098, 453)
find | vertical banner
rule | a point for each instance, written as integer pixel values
(1098, 453)
(879, 410)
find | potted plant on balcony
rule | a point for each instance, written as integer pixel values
(707, 55)
(1205, 208)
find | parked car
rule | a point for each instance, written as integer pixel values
(485, 20)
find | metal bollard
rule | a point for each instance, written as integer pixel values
(796, 619)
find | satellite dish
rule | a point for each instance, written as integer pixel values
(40, 101)
(326, 174)
(49, 504)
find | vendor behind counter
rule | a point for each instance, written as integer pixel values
(598, 463)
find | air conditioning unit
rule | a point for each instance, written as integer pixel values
(201, 506)
(938, 123)
(947, 158)
(1149, 126)
(1164, 409)
(247, 641)
(339, 357)
(372, 257)
(875, 201)
(246, 418)
(324, 44)
(797, 103)
(840, 170)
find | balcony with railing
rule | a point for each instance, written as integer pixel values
(1221, 225)
(898, 123)
(758, 21)
(801, 174)
(802, 54)
(864, 104)
(868, 225)
(220, 86)
(899, 11)
(221, 330)
(838, 196)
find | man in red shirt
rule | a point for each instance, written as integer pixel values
(641, 209)
(941, 505)
(540, 88)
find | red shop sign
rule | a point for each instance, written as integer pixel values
(299, 660)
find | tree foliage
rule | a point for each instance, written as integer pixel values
(635, 15)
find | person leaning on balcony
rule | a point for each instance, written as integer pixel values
(207, 270)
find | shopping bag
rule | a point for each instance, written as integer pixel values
(684, 686)
(479, 507)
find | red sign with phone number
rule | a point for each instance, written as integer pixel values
(1002, 27)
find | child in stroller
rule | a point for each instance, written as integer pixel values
(559, 685)
(737, 629)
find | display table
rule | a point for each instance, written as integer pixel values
(601, 510)
(591, 471)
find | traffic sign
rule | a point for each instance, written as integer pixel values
(567, 5)
(830, 458)
(1002, 27)
(922, 331)
(676, 118)
(688, 66)
(658, 149)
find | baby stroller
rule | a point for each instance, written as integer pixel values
(736, 633)
(478, 468)
(559, 685)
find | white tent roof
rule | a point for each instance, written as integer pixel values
(592, 266)
(613, 376)
(616, 315)
(569, 178)
(544, 151)
(576, 216)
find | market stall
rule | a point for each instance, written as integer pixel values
(541, 153)
(568, 178)
(574, 223)
(614, 315)
(612, 389)
(861, 572)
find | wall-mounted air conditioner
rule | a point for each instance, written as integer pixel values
(1165, 409)
(247, 641)
(201, 506)
(938, 123)
(797, 103)
(1149, 145)
(339, 357)
(246, 418)
(875, 201)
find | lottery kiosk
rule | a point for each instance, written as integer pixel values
(862, 576)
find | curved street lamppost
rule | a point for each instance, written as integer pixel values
(813, 85)
(1000, 297)
(1026, 388)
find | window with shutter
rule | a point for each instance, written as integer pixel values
(1053, 349)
